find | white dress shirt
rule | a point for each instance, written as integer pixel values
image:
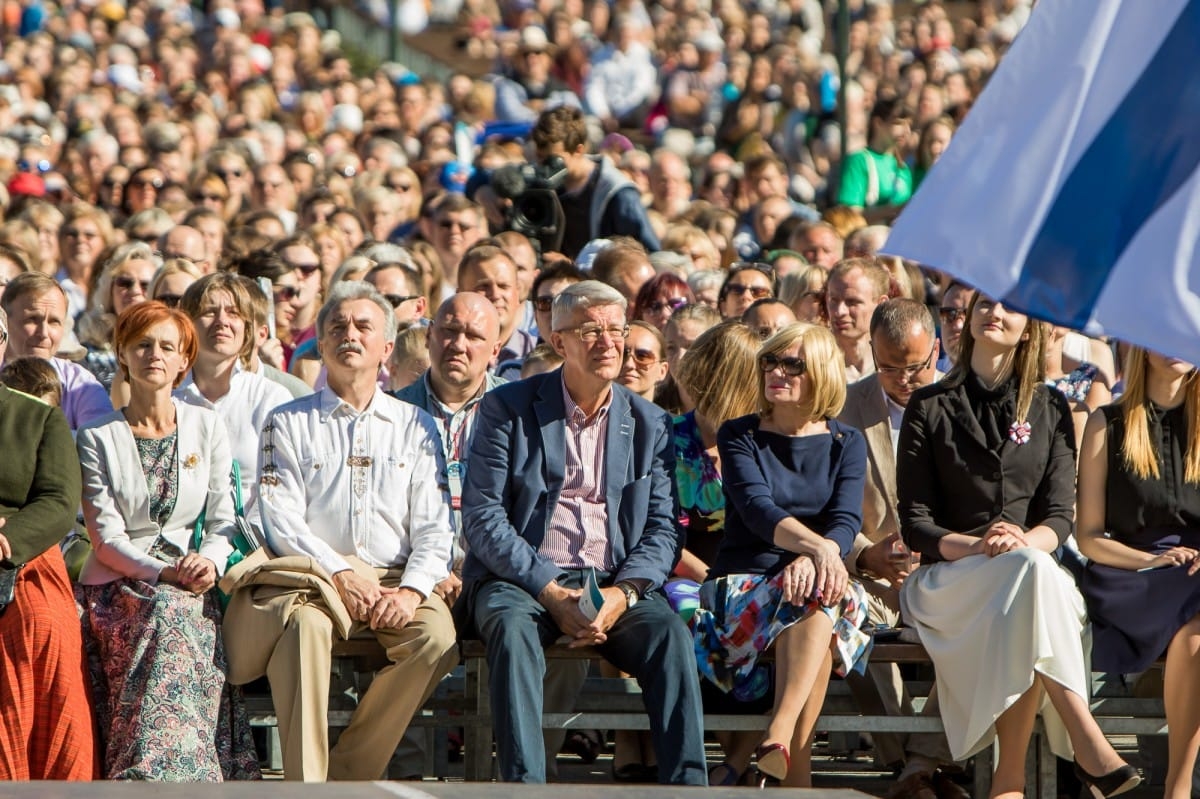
(244, 409)
(334, 481)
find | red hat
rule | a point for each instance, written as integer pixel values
(28, 184)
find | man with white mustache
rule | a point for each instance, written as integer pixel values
(344, 483)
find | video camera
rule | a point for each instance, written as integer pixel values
(534, 210)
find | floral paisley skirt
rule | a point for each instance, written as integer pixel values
(741, 615)
(157, 665)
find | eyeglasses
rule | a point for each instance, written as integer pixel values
(127, 282)
(674, 304)
(76, 233)
(757, 292)
(792, 367)
(446, 224)
(170, 300)
(286, 293)
(590, 334)
(544, 304)
(908, 372)
(396, 299)
(950, 316)
(642, 358)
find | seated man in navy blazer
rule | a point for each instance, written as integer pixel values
(568, 472)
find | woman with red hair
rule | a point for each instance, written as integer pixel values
(151, 624)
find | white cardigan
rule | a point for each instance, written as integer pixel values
(116, 501)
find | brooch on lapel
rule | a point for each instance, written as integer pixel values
(1019, 432)
(191, 461)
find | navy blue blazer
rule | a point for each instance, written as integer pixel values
(515, 474)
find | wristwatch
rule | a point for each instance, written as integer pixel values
(631, 594)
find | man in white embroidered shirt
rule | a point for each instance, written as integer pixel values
(347, 478)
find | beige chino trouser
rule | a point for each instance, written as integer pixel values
(420, 654)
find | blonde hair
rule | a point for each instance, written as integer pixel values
(720, 372)
(1029, 362)
(97, 324)
(1138, 449)
(823, 364)
(411, 342)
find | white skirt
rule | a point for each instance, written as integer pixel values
(988, 625)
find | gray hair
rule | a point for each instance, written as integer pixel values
(706, 279)
(357, 290)
(383, 252)
(581, 296)
(894, 320)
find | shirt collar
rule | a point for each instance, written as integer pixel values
(333, 405)
(575, 414)
(441, 406)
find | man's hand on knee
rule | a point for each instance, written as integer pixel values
(563, 604)
(359, 594)
(395, 608)
(449, 589)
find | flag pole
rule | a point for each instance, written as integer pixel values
(843, 53)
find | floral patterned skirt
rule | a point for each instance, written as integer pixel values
(157, 665)
(741, 615)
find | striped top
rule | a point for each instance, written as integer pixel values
(577, 536)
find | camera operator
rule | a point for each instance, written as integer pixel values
(597, 199)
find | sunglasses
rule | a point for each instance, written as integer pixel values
(286, 293)
(141, 183)
(544, 304)
(757, 292)
(170, 300)
(305, 269)
(126, 283)
(642, 358)
(396, 299)
(792, 367)
(951, 315)
(447, 224)
(674, 304)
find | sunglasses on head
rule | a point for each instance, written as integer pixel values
(758, 266)
(792, 367)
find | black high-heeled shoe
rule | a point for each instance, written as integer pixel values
(1115, 782)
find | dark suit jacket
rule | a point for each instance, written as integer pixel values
(949, 481)
(515, 474)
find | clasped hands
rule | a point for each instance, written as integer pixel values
(1176, 556)
(563, 604)
(1002, 537)
(821, 575)
(376, 605)
(191, 573)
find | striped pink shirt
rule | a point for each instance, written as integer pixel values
(577, 536)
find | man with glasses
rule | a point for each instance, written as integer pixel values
(952, 314)
(855, 288)
(398, 283)
(569, 473)
(548, 284)
(905, 349)
(457, 225)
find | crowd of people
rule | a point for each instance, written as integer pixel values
(324, 373)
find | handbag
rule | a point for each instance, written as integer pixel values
(245, 539)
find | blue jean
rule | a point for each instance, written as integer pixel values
(649, 642)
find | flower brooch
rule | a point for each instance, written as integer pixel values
(1019, 432)
(191, 461)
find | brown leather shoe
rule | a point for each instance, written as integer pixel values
(947, 788)
(914, 786)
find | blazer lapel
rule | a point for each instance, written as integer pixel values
(617, 452)
(960, 414)
(132, 479)
(883, 458)
(550, 412)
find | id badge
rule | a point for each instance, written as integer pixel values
(454, 476)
